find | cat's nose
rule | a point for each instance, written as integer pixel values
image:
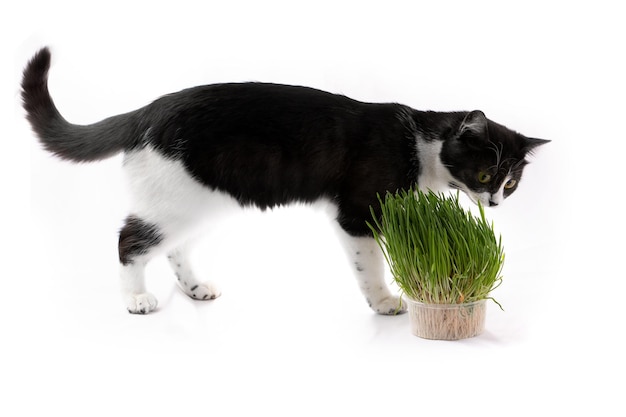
(492, 203)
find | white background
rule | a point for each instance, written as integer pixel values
(291, 334)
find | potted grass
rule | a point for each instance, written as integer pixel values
(444, 259)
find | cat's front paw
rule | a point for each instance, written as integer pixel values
(141, 303)
(202, 291)
(389, 306)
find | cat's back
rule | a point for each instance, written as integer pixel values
(262, 98)
(252, 114)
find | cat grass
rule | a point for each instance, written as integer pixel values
(446, 260)
(438, 252)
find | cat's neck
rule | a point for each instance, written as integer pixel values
(433, 175)
(433, 125)
(432, 128)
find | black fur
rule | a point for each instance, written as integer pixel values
(136, 238)
(68, 141)
(269, 144)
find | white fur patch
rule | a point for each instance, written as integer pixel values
(165, 195)
(434, 175)
(498, 197)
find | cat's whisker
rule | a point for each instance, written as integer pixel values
(498, 149)
(455, 186)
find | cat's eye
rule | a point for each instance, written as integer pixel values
(510, 184)
(483, 177)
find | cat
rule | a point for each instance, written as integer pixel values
(214, 148)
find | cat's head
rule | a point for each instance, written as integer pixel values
(485, 159)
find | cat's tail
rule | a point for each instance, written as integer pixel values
(69, 141)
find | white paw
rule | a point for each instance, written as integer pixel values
(389, 306)
(202, 291)
(141, 303)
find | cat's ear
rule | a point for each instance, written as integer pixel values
(530, 144)
(473, 131)
(475, 122)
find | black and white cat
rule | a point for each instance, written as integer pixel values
(193, 154)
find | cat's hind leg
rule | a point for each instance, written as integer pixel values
(187, 281)
(138, 241)
(170, 206)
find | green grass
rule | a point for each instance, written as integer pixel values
(438, 252)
